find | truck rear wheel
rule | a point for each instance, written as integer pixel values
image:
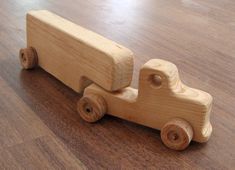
(177, 134)
(28, 58)
(91, 107)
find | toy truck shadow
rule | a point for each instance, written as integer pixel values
(162, 101)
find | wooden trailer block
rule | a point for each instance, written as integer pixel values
(162, 102)
(77, 56)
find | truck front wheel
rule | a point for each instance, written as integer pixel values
(28, 58)
(91, 107)
(177, 134)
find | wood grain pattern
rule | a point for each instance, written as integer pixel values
(198, 36)
(156, 103)
(77, 56)
(25, 140)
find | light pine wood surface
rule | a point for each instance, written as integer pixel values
(160, 98)
(40, 127)
(77, 56)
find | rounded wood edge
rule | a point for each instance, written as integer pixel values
(28, 58)
(177, 134)
(91, 107)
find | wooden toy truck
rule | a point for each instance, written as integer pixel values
(84, 60)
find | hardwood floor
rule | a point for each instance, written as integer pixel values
(39, 125)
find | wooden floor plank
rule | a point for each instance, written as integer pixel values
(19, 116)
(26, 140)
(9, 136)
(7, 161)
(44, 153)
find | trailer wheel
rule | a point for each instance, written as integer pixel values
(177, 134)
(28, 58)
(91, 107)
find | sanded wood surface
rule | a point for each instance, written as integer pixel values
(161, 97)
(75, 55)
(40, 127)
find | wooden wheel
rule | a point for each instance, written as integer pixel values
(28, 58)
(177, 134)
(91, 107)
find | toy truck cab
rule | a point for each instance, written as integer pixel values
(162, 102)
